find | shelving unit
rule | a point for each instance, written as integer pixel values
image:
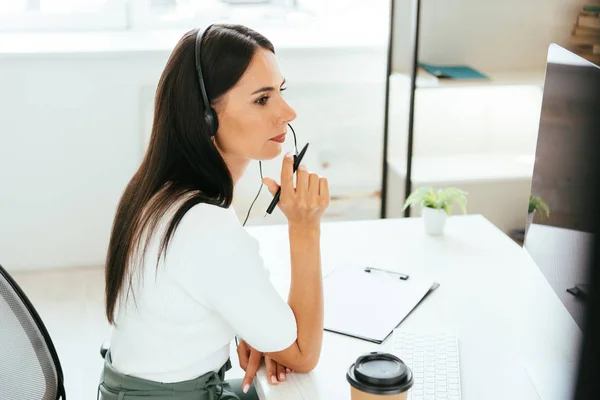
(506, 41)
(426, 81)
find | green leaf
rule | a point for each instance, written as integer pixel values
(536, 203)
(438, 199)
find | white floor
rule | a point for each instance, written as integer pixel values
(71, 304)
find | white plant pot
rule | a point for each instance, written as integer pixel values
(530, 217)
(435, 220)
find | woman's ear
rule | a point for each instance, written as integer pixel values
(218, 142)
(215, 140)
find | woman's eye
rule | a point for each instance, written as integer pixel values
(262, 101)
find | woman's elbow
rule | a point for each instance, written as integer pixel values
(308, 364)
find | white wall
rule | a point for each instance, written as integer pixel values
(70, 140)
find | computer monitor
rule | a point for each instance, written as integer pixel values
(566, 177)
(560, 243)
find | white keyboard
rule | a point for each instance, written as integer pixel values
(433, 358)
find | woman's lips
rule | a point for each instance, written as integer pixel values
(279, 139)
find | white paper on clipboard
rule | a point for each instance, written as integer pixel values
(369, 305)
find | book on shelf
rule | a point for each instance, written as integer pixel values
(585, 37)
(589, 17)
(579, 31)
(590, 10)
(452, 71)
(588, 21)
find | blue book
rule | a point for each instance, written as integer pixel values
(453, 72)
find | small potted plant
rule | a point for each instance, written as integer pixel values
(536, 204)
(436, 205)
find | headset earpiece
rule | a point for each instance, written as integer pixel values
(210, 116)
(211, 120)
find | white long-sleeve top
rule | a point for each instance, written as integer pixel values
(180, 319)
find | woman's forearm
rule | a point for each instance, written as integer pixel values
(306, 290)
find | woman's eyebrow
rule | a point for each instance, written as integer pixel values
(267, 88)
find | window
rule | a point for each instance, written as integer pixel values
(69, 15)
(52, 15)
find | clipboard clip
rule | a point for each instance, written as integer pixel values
(401, 275)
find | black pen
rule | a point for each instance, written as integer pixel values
(297, 161)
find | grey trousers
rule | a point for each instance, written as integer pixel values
(211, 386)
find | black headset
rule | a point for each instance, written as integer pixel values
(210, 116)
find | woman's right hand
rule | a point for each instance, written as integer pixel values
(306, 203)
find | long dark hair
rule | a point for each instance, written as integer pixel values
(182, 161)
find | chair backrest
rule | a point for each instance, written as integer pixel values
(29, 365)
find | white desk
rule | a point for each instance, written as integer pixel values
(492, 295)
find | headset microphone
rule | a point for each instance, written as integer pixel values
(261, 177)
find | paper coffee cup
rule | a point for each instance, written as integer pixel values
(378, 376)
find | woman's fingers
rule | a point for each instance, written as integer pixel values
(253, 365)
(306, 201)
(313, 190)
(287, 177)
(271, 368)
(243, 352)
(280, 372)
(271, 185)
(302, 184)
(323, 192)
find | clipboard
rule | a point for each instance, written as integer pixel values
(369, 306)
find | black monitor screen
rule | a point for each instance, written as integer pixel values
(570, 116)
(564, 176)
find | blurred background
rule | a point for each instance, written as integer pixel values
(77, 82)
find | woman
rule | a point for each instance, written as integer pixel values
(183, 277)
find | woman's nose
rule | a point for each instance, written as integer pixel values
(287, 113)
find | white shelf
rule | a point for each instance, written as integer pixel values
(498, 185)
(506, 78)
(456, 169)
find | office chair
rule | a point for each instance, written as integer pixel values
(104, 347)
(29, 366)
